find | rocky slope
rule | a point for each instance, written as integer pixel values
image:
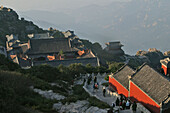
(153, 56)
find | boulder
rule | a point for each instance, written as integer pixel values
(80, 107)
(57, 106)
(49, 94)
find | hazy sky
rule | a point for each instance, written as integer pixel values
(50, 5)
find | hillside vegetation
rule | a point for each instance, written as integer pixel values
(16, 96)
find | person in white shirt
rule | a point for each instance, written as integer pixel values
(127, 104)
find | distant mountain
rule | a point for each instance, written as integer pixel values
(44, 18)
(139, 24)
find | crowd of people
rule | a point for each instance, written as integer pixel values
(124, 104)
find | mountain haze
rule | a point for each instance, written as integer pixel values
(139, 24)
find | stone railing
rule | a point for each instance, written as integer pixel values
(111, 93)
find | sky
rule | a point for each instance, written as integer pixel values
(50, 5)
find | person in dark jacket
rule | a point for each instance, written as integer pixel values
(134, 106)
(104, 91)
(95, 79)
(117, 102)
(124, 104)
(121, 98)
(113, 104)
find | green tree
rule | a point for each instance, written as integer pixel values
(61, 52)
(45, 72)
(6, 64)
(101, 69)
(63, 69)
(58, 34)
(114, 66)
(76, 69)
(90, 69)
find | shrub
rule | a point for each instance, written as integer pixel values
(95, 102)
(106, 84)
(6, 64)
(45, 72)
(114, 66)
(76, 69)
(13, 88)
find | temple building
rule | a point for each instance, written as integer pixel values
(165, 65)
(39, 49)
(145, 86)
(74, 39)
(151, 89)
(119, 81)
(43, 49)
(114, 48)
(69, 34)
(14, 46)
(40, 36)
(56, 51)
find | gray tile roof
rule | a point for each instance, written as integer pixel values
(152, 83)
(122, 75)
(49, 46)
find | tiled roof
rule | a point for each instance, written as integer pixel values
(122, 75)
(53, 45)
(152, 83)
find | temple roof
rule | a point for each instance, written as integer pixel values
(166, 62)
(89, 54)
(152, 83)
(122, 75)
(116, 43)
(53, 45)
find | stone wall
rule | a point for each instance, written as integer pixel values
(83, 61)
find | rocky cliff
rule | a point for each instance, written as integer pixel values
(153, 55)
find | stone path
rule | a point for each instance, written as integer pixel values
(99, 92)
